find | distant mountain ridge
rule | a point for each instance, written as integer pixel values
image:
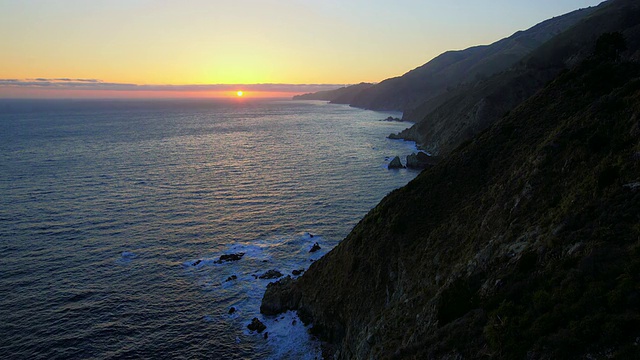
(426, 82)
(470, 108)
(452, 68)
(459, 93)
(343, 95)
(451, 100)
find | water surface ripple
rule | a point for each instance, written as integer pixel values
(112, 214)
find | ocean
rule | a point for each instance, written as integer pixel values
(113, 214)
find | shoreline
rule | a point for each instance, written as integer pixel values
(275, 319)
(182, 184)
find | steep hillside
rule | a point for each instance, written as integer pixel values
(468, 109)
(429, 85)
(425, 83)
(523, 243)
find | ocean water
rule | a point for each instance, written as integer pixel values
(113, 214)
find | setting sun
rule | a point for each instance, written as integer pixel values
(239, 93)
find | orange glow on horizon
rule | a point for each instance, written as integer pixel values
(44, 93)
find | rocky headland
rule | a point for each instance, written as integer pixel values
(523, 242)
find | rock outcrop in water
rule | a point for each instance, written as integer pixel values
(395, 163)
(271, 274)
(257, 325)
(314, 248)
(522, 243)
(229, 257)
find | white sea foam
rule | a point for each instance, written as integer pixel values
(199, 263)
(126, 257)
(239, 282)
(168, 194)
(289, 338)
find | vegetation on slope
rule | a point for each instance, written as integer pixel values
(523, 243)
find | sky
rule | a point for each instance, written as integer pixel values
(209, 48)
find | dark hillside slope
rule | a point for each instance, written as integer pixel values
(427, 83)
(523, 243)
(469, 109)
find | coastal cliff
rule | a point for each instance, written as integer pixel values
(470, 108)
(428, 85)
(459, 94)
(524, 242)
(423, 89)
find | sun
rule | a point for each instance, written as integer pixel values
(240, 93)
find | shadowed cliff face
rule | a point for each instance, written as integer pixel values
(524, 242)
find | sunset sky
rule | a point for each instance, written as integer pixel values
(121, 48)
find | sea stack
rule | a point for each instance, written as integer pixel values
(395, 163)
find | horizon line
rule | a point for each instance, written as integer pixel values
(96, 84)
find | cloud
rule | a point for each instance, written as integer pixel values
(75, 80)
(66, 80)
(95, 84)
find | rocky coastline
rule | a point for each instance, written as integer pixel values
(521, 243)
(521, 239)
